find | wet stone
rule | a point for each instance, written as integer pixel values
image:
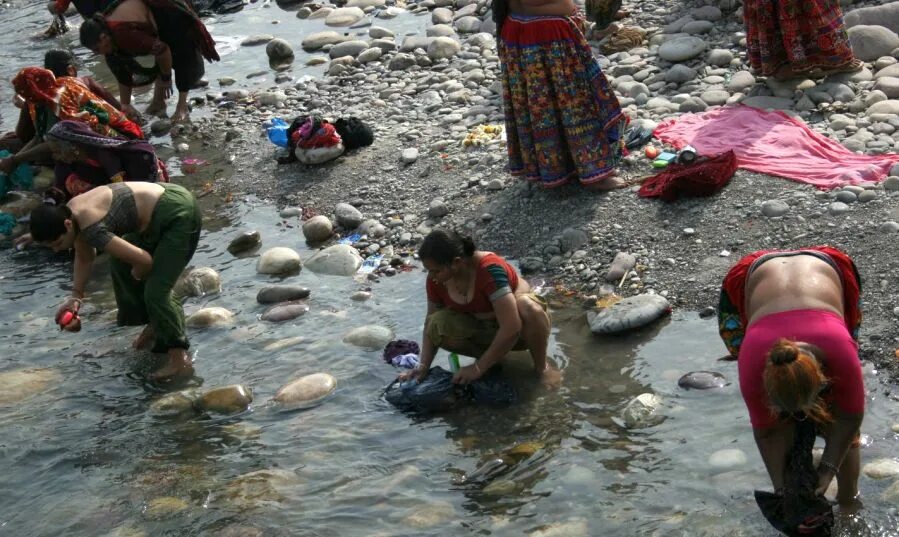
(702, 380)
(628, 314)
(245, 242)
(226, 399)
(642, 411)
(306, 392)
(208, 317)
(200, 281)
(881, 469)
(282, 293)
(371, 336)
(284, 312)
(278, 260)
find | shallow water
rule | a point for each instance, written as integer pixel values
(85, 456)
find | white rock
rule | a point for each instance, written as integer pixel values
(370, 336)
(378, 32)
(442, 15)
(370, 55)
(317, 229)
(891, 183)
(337, 260)
(889, 85)
(727, 458)
(226, 399)
(642, 411)
(305, 392)
(891, 495)
(344, 16)
(199, 281)
(681, 49)
(890, 70)
(775, 208)
(720, 57)
(467, 25)
(207, 317)
(271, 98)
(440, 30)
(628, 314)
(278, 260)
(409, 155)
(885, 15)
(882, 469)
(366, 3)
(872, 42)
(443, 47)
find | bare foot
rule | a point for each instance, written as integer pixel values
(181, 115)
(551, 378)
(146, 337)
(156, 108)
(179, 365)
(851, 507)
(621, 13)
(609, 183)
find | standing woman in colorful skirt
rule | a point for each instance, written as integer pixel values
(563, 121)
(797, 38)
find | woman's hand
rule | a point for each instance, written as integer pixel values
(417, 374)
(467, 374)
(140, 271)
(131, 113)
(71, 304)
(7, 165)
(18, 101)
(22, 242)
(164, 87)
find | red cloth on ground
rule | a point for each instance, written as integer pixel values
(775, 144)
(701, 178)
(494, 278)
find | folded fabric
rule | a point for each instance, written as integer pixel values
(405, 361)
(703, 177)
(399, 347)
(776, 144)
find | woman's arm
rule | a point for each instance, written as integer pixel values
(426, 358)
(84, 260)
(506, 310)
(124, 95)
(840, 435)
(33, 151)
(129, 253)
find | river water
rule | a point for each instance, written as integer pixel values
(82, 455)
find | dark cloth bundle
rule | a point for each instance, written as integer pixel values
(437, 392)
(798, 511)
(354, 132)
(704, 177)
(398, 347)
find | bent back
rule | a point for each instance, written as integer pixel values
(792, 283)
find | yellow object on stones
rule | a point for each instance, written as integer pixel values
(482, 135)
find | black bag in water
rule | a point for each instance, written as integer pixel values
(437, 391)
(798, 512)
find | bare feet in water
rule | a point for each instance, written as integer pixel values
(145, 338)
(551, 378)
(179, 365)
(181, 115)
(156, 108)
(609, 183)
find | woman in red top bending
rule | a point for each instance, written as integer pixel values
(478, 306)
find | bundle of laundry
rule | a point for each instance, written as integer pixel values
(314, 140)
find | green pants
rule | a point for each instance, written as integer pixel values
(171, 238)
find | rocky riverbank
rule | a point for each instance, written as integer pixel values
(424, 96)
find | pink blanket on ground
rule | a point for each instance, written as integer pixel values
(776, 144)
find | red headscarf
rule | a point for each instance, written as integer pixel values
(69, 98)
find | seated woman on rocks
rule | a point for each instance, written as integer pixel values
(150, 232)
(478, 306)
(169, 30)
(789, 317)
(50, 99)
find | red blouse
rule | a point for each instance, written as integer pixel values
(494, 278)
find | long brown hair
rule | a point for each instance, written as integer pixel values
(793, 379)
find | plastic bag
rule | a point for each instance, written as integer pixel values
(276, 129)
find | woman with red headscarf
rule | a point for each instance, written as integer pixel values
(50, 99)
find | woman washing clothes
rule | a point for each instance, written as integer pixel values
(563, 121)
(478, 306)
(150, 232)
(169, 30)
(790, 319)
(50, 99)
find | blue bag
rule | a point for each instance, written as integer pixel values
(276, 129)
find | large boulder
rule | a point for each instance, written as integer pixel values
(278, 260)
(681, 49)
(886, 15)
(642, 411)
(279, 51)
(337, 260)
(199, 281)
(872, 42)
(344, 16)
(318, 228)
(443, 47)
(369, 337)
(207, 317)
(305, 392)
(320, 39)
(628, 314)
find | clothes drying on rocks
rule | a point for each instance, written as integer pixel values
(776, 144)
(702, 178)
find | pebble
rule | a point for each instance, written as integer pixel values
(278, 260)
(409, 155)
(837, 208)
(891, 183)
(348, 216)
(282, 293)
(317, 229)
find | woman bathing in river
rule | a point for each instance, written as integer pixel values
(478, 306)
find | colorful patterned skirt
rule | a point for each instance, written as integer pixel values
(806, 34)
(563, 121)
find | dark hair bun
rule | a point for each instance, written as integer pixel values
(784, 352)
